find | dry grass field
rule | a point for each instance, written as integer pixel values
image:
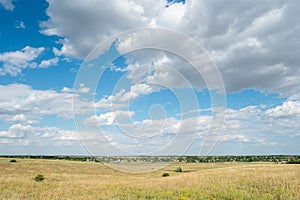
(84, 180)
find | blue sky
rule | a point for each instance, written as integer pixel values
(80, 78)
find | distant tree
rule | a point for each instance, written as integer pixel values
(13, 161)
(178, 169)
(191, 159)
(293, 161)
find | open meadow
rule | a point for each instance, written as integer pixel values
(88, 180)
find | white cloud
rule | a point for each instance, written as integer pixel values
(171, 16)
(20, 25)
(255, 120)
(254, 44)
(97, 19)
(283, 118)
(22, 104)
(66, 89)
(48, 63)
(287, 109)
(28, 134)
(7, 4)
(136, 91)
(109, 118)
(14, 62)
(15, 131)
(83, 89)
(253, 125)
(123, 98)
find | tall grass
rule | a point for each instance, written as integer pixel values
(82, 180)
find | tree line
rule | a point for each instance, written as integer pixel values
(289, 159)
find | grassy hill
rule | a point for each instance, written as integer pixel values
(88, 180)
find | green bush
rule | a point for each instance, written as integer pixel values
(39, 177)
(13, 161)
(178, 169)
(165, 174)
(294, 161)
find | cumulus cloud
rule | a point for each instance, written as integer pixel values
(82, 89)
(97, 19)
(254, 44)
(287, 109)
(256, 122)
(66, 89)
(28, 134)
(167, 70)
(15, 131)
(284, 118)
(14, 62)
(48, 63)
(109, 118)
(123, 98)
(7, 4)
(22, 104)
(251, 125)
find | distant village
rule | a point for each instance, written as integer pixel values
(284, 159)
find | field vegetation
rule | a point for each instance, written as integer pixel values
(64, 179)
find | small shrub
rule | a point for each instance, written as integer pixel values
(39, 177)
(165, 174)
(178, 169)
(13, 161)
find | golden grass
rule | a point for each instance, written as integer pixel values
(82, 180)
